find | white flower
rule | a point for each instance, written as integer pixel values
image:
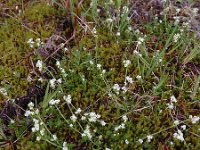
(126, 63)
(31, 105)
(54, 137)
(78, 111)
(87, 133)
(71, 125)
(116, 87)
(54, 102)
(68, 99)
(183, 127)
(103, 123)
(58, 64)
(93, 116)
(129, 79)
(109, 20)
(27, 113)
(91, 62)
(124, 88)
(137, 53)
(12, 121)
(176, 37)
(149, 138)
(39, 65)
(140, 141)
(73, 118)
(42, 131)
(64, 146)
(118, 33)
(107, 148)
(3, 91)
(194, 119)
(65, 49)
(138, 77)
(170, 105)
(176, 122)
(125, 118)
(52, 83)
(179, 135)
(83, 118)
(140, 40)
(126, 141)
(59, 81)
(99, 66)
(94, 31)
(38, 138)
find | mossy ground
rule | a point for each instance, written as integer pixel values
(164, 67)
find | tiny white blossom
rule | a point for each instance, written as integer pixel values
(78, 111)
(170, 105)
(103, 123)
(73, 118)
(179, 135)
(64, 146)
(138, 77)
(125, 118)
(126, 141)
(183, 127)
(176, 122)
(54, 137)
(194, 119)
(52, 83)
(68, 99)
(149, 138)
(87, 133)
(39, 65)
(126, 63)
(129, 79)
(116, 87)
(59, 81)
(99, 66)
(140, 141)
(38, 138)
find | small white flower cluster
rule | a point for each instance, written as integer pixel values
(37, 41)
(73, 118)
(3, 91)
(137, 53)
(179, 135)
(54, 102)
(122, 126)
(176, 19)
(116, 88)
(38, 125)
(176, 122)
(87, 132)
(126, 63)
(39, 65)
(64, 146)
(194, 119)
(62, 45)
(53, 82)
(140, 40)
(172, 101)
(195, 11)
(176, 37)
(92, 116)
(94, 31)
(149, 138)
(68, 98)
(62, 70)
(129, 79)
